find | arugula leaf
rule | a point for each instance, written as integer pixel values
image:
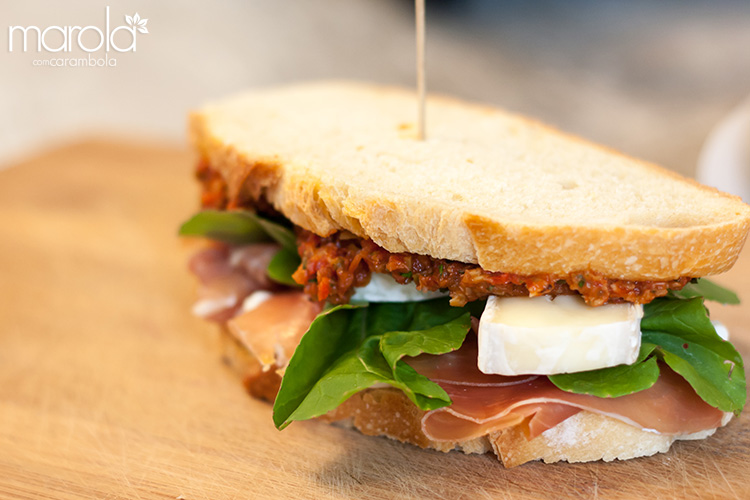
(688, 316)
(349, 348)
(327, 346)
(347, 376)
(282, 266)
(718, 381)
(709, 291)
(228, 226)
(687, 341)
(438, 339)
(686, 319)
(237, 226)
(283, 235)
(614, 381)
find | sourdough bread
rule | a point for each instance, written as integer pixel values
(485, 187)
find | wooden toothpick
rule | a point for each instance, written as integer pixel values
(419, 8)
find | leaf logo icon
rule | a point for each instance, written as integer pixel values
(137, 23)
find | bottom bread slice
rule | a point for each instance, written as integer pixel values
(584, 437)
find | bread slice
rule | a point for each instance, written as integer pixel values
(584, 437)
(485, 187)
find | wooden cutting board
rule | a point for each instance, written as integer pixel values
(109, 388)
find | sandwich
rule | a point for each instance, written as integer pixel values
(497, 287)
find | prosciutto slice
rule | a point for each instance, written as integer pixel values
(272, 329)
(487, 403)
(229, 274)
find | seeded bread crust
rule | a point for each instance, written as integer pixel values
(486, 187)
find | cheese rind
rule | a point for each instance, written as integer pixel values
(383, 288)
(546, 336)
(255, 299)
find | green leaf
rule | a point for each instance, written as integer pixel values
(719, 381)
(613, 382)
(238, 226)
(332, 336)
(349, 348)
(679, 316)
(425, 393)
(387, 317)
(346, 377)
(687, 341)
(283, 235)
(228, 226)
(283, 265)
(709, 290)
(438, 339)
(372, 359)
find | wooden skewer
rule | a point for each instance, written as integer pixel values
(419, 10)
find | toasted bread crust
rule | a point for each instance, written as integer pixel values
(336, 156)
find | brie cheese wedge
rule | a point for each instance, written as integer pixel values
(546, 336)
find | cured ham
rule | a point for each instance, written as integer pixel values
(273, 328)
(487, 403)
(228, 275)
(253, 260)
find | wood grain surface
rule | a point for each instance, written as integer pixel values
(109, 388)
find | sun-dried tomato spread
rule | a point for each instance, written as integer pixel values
(213, 186)
(333, 266)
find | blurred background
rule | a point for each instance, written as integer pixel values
(651, 78)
